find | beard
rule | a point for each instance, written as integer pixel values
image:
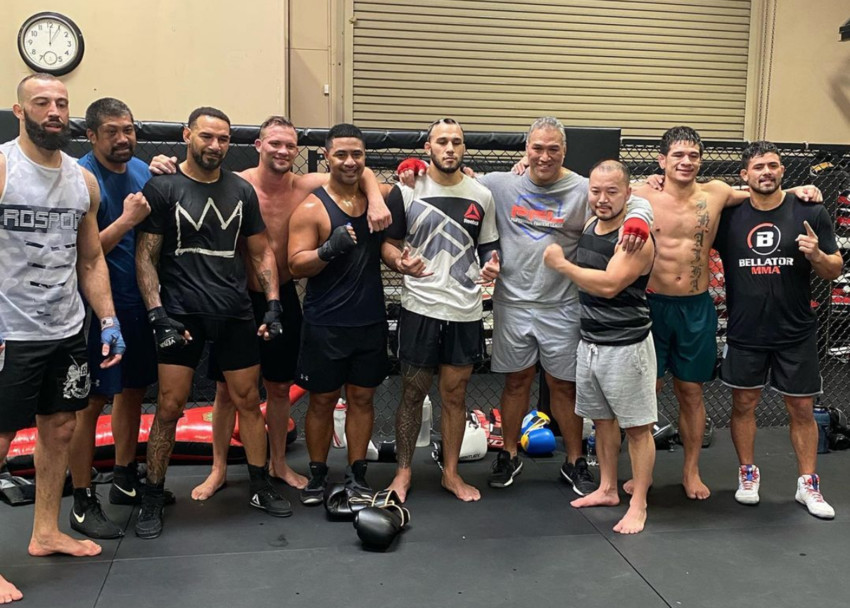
(120, 154)
(208, 163)
(44, 139)
(767, 188)
(275, 168)
(443, 168)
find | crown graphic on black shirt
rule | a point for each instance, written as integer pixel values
(187, 226)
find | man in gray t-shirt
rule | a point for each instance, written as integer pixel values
(535, 309)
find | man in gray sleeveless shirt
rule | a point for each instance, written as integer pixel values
(49, 247)
(616, 356)
(535, 309)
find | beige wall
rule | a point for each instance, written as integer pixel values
(311, 71)
(166, 57)
(809, 87)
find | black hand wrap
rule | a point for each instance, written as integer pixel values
(339, 243)
(168, 332)
(272, 319)
(378, 525)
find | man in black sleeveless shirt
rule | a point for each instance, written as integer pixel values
(192, 278)
(615, 362)
(344, 336)
(770, 245)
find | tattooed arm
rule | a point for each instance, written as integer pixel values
(148, 249)
(262, 260)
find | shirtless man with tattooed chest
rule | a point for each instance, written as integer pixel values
(684, 320)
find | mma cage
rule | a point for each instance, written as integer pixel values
(826, 166)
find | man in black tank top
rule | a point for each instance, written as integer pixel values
(770, 245)
(615, 362)
(344, 336)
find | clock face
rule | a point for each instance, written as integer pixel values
(50, 42)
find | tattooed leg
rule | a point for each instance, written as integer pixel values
(415, 384)
(175, 382)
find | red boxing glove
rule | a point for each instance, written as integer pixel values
(637, 227)
(416, 165)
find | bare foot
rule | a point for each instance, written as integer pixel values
(8, 592)
(212, 484)
(288, 476)
(599, 498)
(401, 483)
(632, 522)
(629, 487)
(695, 489)
(460, 488)
(62, 543)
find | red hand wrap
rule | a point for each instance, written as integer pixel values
(412, 164)
(637, 227)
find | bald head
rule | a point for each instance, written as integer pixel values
(608, 190)
(28, 84)
(608, 167)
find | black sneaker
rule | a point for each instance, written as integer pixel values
(504, 470)
(267, 499)
(88, 518)
(355, 477)
(127, 487)
(314, 492)
(149, 522)
(579, 476)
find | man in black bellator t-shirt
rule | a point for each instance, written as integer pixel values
(192, 277)
(770, 245)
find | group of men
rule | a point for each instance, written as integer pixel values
(598, 287)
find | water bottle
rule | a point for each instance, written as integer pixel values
(822, 420)
(340, 411)
(591, 447)
(424, 438)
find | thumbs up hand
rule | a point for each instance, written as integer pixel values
(808, 243)
(490, 271)
(412, 266)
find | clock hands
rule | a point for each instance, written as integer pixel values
(50, 42)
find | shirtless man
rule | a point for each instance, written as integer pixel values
(279, 191)
(684, 320)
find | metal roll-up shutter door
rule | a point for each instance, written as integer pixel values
(498, 64)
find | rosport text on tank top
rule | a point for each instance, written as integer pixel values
(41, 209)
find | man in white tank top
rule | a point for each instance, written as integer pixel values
(49, 248)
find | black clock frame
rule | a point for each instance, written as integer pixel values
(69, 23)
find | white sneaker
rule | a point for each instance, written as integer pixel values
(748, 484)
(808, 493)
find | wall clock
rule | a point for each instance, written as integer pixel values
(51, 42)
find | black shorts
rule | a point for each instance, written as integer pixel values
(792, 370)
(278, 357)
(137, 368)
(234, 343)
(428, 342)
(331, 357)
(42, 377)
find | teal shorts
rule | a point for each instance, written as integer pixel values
(684, 329)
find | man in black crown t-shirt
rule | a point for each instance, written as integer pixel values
(192, 278)
(770, 245)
